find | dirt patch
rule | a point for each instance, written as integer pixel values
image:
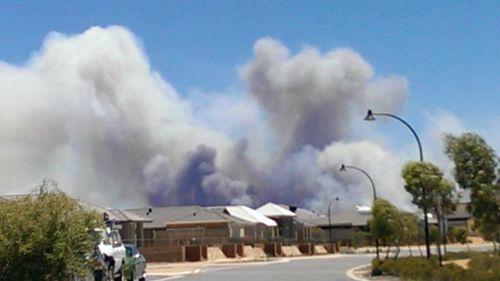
(464, 263)
(291, 251)
(255, 253)
(215, 253)
(320, 250)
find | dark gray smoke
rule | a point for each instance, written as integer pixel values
(310, 97)
(88, 111)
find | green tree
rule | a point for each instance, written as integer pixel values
(409, 230)
(476, 169)
(459, 234)
(385, 222)
(439, 198)
(44, 236)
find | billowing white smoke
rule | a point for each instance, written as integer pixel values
(383, 167)
(88, 111)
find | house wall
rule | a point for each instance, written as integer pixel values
(188, 234)
(128, 232)
(285, 227)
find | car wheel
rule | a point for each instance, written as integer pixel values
(99, 275)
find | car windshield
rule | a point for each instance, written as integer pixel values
(100, 235)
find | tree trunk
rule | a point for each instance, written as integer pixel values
(444, 236)
(438, 241)
(409, 250)
(420, 250)
(398, 249)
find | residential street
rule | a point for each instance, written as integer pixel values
(315, 268)
(311, 269)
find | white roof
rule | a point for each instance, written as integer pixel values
(273, 210)
(251, 215)
(364, 209)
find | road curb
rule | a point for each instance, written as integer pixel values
(350, 272)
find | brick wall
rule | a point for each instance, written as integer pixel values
(164, 253)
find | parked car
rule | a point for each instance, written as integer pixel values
(111, 246)
(135, 264)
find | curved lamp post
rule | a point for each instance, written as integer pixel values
(330, 220)
(344, 168)
(370, 116)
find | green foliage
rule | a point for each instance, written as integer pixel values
(409, 232)
(411, 268)
(419, 176)
(459, 234)
(384, 223)
(476, 169)
(482, 267)
(439, 197)
(433, 233)
(475, 161)
(44, 236)
(360, 239)
(439, 192)
(392, 226)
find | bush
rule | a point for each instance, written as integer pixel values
(459, 234)
(44, 236)
(449, 272)
(482, 267)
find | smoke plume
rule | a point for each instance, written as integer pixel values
(88, 111)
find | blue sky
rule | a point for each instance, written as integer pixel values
(448, 50)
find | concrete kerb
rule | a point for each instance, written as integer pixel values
(350, 272)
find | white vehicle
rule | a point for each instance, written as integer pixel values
(111, 246)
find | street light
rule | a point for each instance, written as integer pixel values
(344, 168)
(330, 221)
(370, 116)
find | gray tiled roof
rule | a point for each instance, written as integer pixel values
(349, 216)
(161, 216)
(114, 214)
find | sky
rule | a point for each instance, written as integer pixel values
(435, 64)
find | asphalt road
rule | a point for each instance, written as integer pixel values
(311, 269)
(332, 268)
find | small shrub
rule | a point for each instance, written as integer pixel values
(449, 272)
(482, 267)
(416, 268)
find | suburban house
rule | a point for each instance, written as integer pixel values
(343, 225)
(257, 227)
(185, 225)
(461, 217)
(284, 219)
(130, 225)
